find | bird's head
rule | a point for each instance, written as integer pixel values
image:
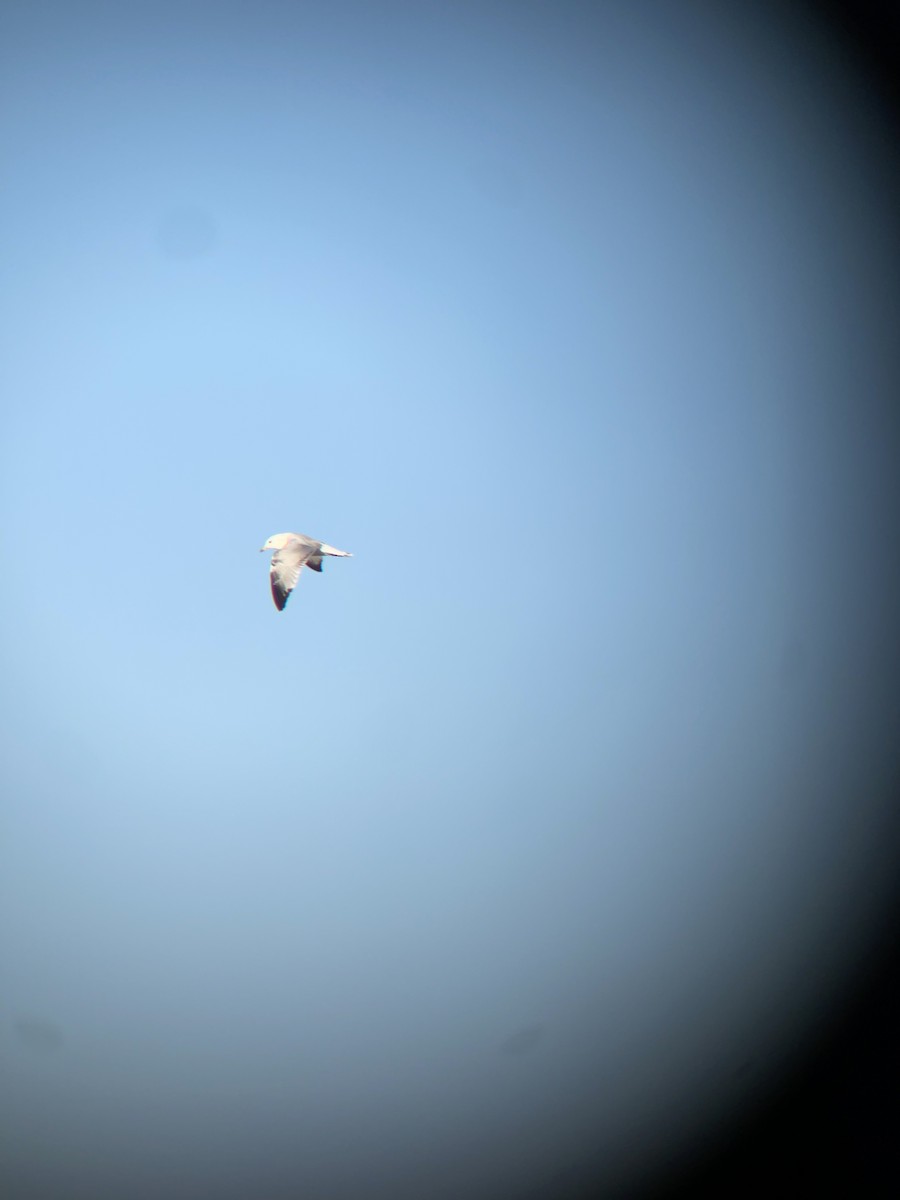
(276, 542)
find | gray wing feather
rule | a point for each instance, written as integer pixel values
(287, 564)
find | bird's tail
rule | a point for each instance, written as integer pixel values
(323, 549)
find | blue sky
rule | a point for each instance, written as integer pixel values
(568, 321)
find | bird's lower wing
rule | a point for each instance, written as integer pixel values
(285, 571)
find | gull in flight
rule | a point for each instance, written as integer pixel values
(293, 552)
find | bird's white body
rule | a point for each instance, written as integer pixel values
(293, 552)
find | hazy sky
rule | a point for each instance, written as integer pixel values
(538, 820)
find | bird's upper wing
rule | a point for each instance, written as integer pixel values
(287, 564)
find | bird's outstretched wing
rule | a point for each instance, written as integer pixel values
(284, 572)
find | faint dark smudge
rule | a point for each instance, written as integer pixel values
(185, 233)
(523, 1041)
(43, 1037)
(741, 1072)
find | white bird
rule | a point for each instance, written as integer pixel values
(293, 552)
